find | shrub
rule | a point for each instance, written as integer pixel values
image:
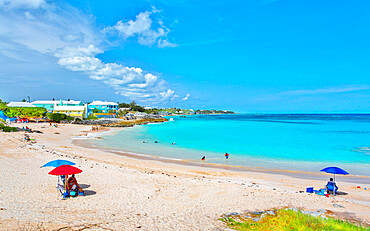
(5, 128)
(9, 129)
(290, 220)
(91, 117)
(24, 111)
(57, 117)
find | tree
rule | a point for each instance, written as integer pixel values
(57, 117)
(124, 105)
(95, 110)
(23, 100)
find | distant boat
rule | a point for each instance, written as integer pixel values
(171, 120)
(183, 116)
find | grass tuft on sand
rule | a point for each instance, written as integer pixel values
(291, 220)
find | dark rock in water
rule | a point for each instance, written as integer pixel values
(338, 206)
(233, 214)
(293, 209)
(272, 213)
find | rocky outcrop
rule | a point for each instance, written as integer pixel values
(131, 123)
(118, 122)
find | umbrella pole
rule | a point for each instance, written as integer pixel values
(334, 185)
(65, 184)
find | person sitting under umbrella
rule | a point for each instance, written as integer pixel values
(73, 186)
(331, 187)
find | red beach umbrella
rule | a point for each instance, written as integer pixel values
(65, 170)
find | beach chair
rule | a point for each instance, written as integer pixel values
(60, 188)
(332, 188)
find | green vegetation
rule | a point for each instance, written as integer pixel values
(173, 111)
(25, 111)
(291, 220)
(133, 106)
(57, 117)
(22, 111)
(2, 105)
(5, 128)
(91, 117)
(95, 110)
(213, 112)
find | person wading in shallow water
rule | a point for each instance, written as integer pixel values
(204, 158)
(227, 155)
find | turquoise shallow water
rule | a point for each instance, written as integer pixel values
(293, 142)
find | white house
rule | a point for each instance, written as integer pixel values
(20, 104)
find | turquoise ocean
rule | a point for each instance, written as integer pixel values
(301, 142)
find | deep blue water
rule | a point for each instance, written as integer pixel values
(305, 142)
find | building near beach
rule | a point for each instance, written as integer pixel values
(20, 104)
(51, 104)
(73, 111)
(102, 107)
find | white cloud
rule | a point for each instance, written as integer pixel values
(130, 82)
(162, 43)
(167, 94)
(47, 29)
(22, 3)
(147, 32)
(65, 33)
(186, 97)
(337, 89)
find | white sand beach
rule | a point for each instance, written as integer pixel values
(123, 193)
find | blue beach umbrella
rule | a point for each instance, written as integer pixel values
(334, 170)
(57, 163)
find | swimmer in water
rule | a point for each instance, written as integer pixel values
(204, 158)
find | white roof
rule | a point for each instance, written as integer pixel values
(20, 104)
(98, 102)
(70, 102)
(44, 102)
(55, 102)
(69, 108)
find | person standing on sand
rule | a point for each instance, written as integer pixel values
(227, 155)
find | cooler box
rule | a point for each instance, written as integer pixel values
(309, 189)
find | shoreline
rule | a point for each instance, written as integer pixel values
(358, 179)
(125, 192)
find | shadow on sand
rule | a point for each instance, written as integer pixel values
(83, 186)
(89, 192)
(341, 193)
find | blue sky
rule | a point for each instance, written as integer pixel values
(247, 56)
